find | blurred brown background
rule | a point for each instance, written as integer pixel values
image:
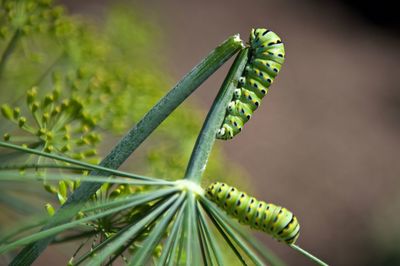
(325, 142)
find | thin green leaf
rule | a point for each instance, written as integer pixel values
(40, 166)
(131, 232)
(308, 255)
(187, 236)
(271, 258)
(226, 237)
(222, 220)
(167, 253)
(177, 247)
(34, 176)
(215, 117)
(210, 237)
(206, 249)
(156, 235)
(89, 166)
(192, 245)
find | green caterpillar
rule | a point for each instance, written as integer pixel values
(276, 221)
(267, 55)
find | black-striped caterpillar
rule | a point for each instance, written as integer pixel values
(276, 221)
(267, 55)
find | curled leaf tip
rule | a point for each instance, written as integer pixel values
(236, 37)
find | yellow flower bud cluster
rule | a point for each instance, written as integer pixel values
(53, 124)
(31, 16)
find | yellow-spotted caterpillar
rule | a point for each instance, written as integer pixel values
(276, 221)
(267, 55)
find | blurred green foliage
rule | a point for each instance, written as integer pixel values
(110, 73)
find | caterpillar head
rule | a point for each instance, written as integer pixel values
(263, 37)
(291, 232)
(216, 190)
(211, 189)
(225, 132)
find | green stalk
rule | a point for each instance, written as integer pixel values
(308, 255)
(172, 238)
(205, 248)
(188, 235)
(192, 256)
(9, 50)
(210, 236)
(206, 245)
(128, 144)
(177, 246)
(215, 117)
(49, 69)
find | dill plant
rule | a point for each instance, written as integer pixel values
(79, 87)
